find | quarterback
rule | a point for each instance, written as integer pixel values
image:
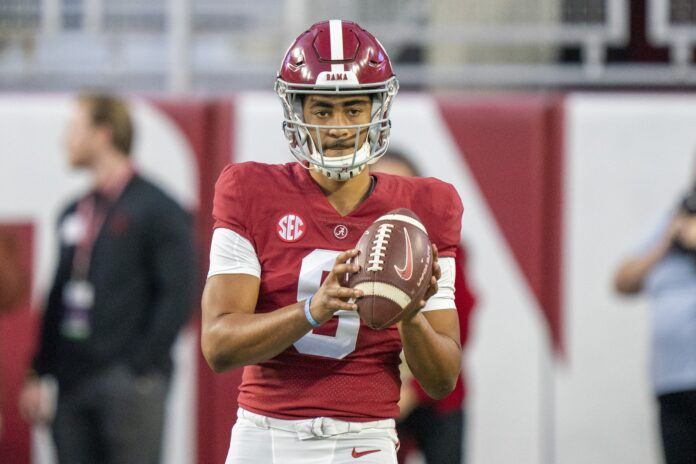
(319, 386)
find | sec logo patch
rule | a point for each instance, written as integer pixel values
(291, 228)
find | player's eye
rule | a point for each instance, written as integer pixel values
(353, 112)
(321, 114)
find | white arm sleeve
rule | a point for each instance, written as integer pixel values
(444, 298)
(230, 253)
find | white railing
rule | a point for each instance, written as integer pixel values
(679, 37)
(226, 45)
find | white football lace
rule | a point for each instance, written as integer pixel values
(379, 246)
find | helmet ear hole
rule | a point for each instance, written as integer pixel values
(297, 103)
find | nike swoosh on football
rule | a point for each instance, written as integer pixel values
(406, 272)
(360, 454)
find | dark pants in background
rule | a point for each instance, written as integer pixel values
(678, 426)
(439, 437)
(113, 417)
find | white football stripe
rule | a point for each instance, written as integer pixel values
(385, 290)
(336, 34)
(403, 218)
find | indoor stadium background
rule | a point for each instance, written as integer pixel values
(567, 126)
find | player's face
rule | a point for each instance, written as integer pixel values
(330, 110)
(79, 138)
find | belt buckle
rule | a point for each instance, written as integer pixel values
(318, 427)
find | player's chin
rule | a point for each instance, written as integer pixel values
(336, 152)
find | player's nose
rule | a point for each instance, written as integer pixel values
(340, 119)
(339, 132)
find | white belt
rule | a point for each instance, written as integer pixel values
(319, 427)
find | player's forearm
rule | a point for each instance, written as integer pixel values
(434, 359)
(238, 339)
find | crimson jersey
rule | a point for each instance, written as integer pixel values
(343, 369)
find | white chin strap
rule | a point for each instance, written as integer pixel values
(343, 167)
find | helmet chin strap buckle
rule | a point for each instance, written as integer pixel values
(342, 175)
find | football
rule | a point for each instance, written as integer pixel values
(395, 268)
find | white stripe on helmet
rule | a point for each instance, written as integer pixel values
(336, 34)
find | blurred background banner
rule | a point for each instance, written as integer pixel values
(565, 125)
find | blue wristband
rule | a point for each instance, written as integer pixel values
(308, 314)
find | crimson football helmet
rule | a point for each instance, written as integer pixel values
(336, 58)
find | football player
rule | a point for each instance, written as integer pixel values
(318, 385)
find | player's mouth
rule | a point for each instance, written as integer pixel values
(340, 145)
(339, 150)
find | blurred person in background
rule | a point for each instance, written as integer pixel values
(14, 286)
(436, 426)
(121, 293)
(663, 267)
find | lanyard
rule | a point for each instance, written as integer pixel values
(93, 216)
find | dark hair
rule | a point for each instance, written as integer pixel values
(111, 111)
(399, 156)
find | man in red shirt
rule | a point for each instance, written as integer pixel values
(318, 385)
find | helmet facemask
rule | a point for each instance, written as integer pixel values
(302, 145)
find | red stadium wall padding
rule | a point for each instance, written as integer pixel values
(194, 119)
(17, 329)
(217, 393)
(513, 146)
(208, 127)
(551, 289)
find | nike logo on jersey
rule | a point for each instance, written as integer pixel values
(360, 454)
(406, 272)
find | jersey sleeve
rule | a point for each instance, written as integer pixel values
(232, 202)
(230, 253)
(447, 233)
(444, 298)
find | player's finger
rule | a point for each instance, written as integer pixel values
(335, 303)
(345, 268)
(433, 284)
(342, 266)
(432, 289)
(346, 255)
(437, 270)
(344, 292)
(435, 253)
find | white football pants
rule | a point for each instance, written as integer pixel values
(258, 439)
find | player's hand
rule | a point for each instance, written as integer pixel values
(331, 296)
(437, 273)
(432, 289)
